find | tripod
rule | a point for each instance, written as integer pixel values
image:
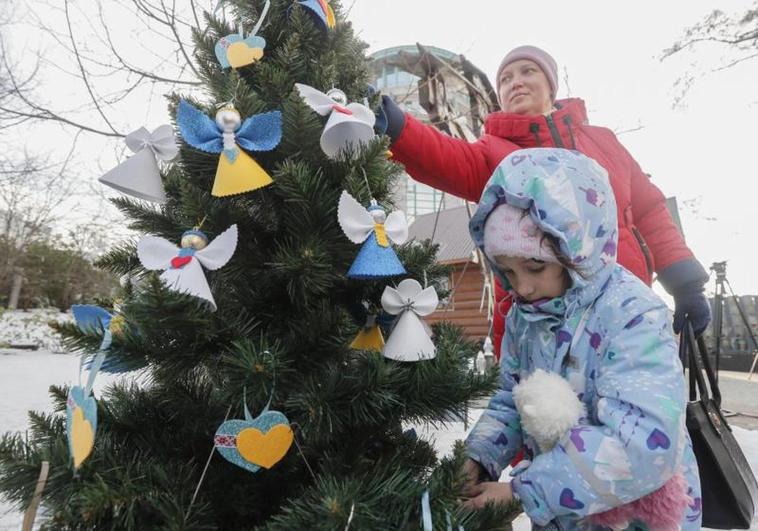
(718, 313)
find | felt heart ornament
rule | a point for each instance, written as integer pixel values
(255, 443)
(264, 449)
(239, 50)
(241, 53)
(81, 424)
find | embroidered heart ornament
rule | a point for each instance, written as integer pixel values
(254, 444)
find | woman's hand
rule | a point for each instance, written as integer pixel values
(473, 472)
(489, 491)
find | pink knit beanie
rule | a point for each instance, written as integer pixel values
(509, 231)
(543, 59)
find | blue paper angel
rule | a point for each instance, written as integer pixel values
(374, 229)
(237, 171)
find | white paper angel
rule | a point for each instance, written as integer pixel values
(184, 266)
(374, 229)
(348, 125)
(410, 338)
(139, 175)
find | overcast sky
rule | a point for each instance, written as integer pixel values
(704, 153)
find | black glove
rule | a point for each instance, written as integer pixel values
(685, 282)
(694, 306)
(394, 117)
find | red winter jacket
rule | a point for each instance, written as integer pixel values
(648, 238)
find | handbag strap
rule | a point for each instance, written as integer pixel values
(696, 352)
(713, 381)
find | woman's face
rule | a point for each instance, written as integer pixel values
(532, 279)
(524, 88)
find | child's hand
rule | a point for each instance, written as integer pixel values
(489, 491)
(473, 471)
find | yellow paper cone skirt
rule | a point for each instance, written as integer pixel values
(242, 175)
(369, 339)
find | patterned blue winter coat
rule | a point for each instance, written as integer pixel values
(623, 363)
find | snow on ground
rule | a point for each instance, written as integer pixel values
(31, 328)
(25, 377)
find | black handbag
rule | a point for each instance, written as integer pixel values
(728, 486)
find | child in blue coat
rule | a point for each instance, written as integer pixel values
(547, 224)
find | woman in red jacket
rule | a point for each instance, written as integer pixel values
(527, 82)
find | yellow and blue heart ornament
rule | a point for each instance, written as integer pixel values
(236, 51)
(81, 424)
(255, 443)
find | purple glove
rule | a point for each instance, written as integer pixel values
(684, 281)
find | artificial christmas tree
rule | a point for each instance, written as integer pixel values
(171, 450)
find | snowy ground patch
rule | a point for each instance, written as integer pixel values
(32, 328)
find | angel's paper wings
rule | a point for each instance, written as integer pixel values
(315, 99)
(409, 295)
(220, 250)
(161, 141)
(260, 132)
(198, 129)
(323, 104)
(156, 253)
(357, 223)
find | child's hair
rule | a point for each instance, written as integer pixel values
(554, 245)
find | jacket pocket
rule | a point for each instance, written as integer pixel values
(645, 250)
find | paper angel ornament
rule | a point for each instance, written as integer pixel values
(374, 229)
(81, 408)
(184, 266)
(236, 50)
(322, 12)
(348, 125)
(237, 171)
(410, 339)
(139, 175)
(255, 443)
(370, 337)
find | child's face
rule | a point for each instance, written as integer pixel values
(532, 279)
(524, 88)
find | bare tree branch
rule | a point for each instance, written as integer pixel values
(84, 73)
(101, 64)
(737, 33)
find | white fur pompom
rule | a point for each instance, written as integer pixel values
(548, 407)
